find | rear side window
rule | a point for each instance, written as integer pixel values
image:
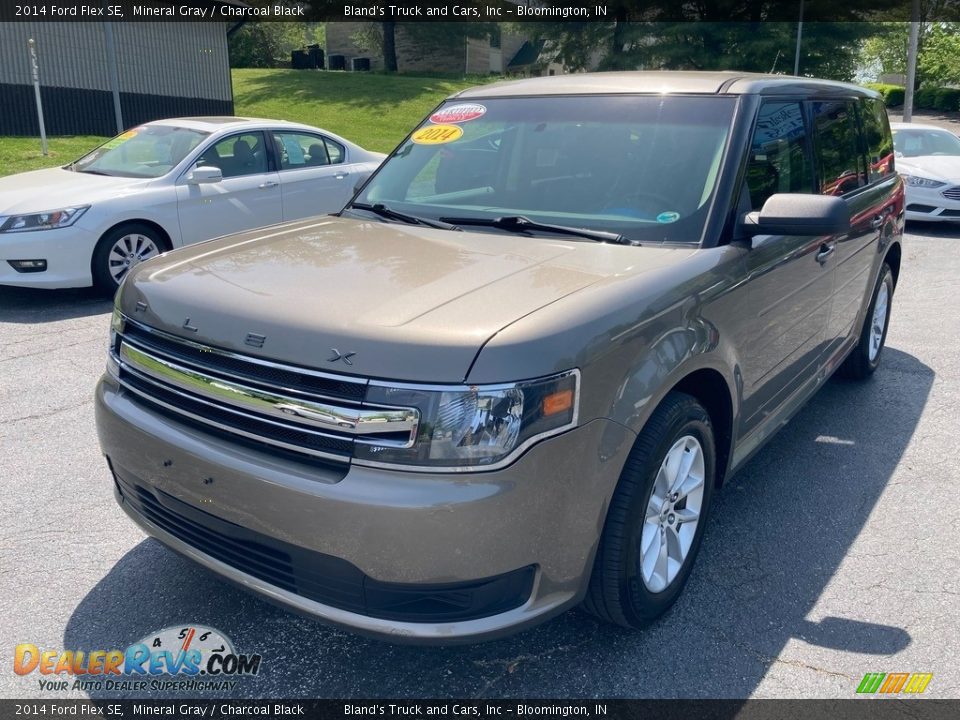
(879, 141)
(779, 161)
(838, 147)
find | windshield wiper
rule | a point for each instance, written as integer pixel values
(96, 172)
(518, 223)
(385, 212)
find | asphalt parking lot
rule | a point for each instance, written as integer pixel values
(833, 553)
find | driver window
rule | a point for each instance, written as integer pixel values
(237, 155)
(779, 161)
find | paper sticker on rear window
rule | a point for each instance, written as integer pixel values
(458, 113)
(437, 134)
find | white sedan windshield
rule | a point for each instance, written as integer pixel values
(148, 151)
(915, 143)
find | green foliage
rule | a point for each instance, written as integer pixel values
(375, 110)
(938, 51)
(892, 94)
(829, 50)
(932, 97)
(269, 44)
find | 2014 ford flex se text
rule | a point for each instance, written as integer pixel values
(509, 375)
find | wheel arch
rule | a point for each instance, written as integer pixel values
(709, 387)
(893, 258)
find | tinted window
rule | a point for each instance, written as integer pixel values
(643, 166)
(300, 150)
(779, 162)
(237, 155)
(838, 147)
(876, 130)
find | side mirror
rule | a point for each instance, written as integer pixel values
(205, 174)
(798, 214)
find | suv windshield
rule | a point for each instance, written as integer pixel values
(148, 151)
(644, 167)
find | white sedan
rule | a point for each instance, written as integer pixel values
(163, 185)
(928, 158)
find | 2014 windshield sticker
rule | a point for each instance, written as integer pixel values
(186, 658)
(437, 134)
(458, 114)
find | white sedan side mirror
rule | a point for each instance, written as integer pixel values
(205, 174)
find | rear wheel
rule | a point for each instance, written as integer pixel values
(122, 249)
(657, 516)
(865, 357)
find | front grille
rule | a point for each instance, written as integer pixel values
(324, 578)
(282, 406)
(268, 374)
(952, 193)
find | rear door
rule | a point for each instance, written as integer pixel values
(248, 196)
(871, 200)
(790, 277)
(315, 174)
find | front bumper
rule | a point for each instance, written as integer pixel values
(530, 528)
(68, 252)
(930, 205)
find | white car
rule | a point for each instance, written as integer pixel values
(166, 184)
(928, 158)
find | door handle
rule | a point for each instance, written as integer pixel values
(267, 184)
(825, 252)
(341, 175)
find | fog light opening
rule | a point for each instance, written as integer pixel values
(28, 266)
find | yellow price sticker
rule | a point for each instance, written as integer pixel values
(437, 134)
(120, 139)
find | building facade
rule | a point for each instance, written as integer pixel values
(163, 69)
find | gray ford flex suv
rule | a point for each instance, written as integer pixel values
(508, 377)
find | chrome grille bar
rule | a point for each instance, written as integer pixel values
(373, 425)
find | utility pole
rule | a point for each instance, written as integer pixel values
(912, 62)
(796, 57)
(35, 71)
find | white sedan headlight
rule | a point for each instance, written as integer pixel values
(919, 181)
(49, 220)
(477, 427)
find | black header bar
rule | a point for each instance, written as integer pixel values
(640, 11)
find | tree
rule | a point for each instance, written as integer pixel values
(268, 44)
(938, 55)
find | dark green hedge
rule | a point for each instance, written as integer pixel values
(892, 94)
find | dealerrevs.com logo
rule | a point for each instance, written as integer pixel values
(185, 657)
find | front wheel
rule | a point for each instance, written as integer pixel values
(865, 357)
(657, 516)
(122, 249)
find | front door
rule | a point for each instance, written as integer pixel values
(790, 278)
(248, 196)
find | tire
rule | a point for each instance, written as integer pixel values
(115, 248)
(621, 591)
(865, 357)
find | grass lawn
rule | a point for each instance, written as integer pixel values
(373, 110)
(19, 154)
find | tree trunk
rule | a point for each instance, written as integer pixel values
(390, 46)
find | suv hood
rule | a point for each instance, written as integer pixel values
(412, 303)
(56, 188)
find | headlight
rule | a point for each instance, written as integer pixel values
(917, 181)
(42, 221)
(479, 427)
